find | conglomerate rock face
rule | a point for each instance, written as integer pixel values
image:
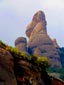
(39, 42)
(7, 76)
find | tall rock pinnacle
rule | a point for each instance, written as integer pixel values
(39, 18)
(39, 42)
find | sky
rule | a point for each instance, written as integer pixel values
(16, 14)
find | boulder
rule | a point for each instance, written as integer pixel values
(21, 44)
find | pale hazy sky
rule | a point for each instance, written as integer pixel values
(16, 14)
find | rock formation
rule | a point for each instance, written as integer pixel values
(55, 43)
(7, 76)
(39, 42)
(18, 69)
(21, 44)
(37, 18)
(25, 72)
(29, 75)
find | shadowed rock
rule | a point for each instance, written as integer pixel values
(7, 76)
(28, 71)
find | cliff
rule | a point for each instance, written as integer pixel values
(17, 68)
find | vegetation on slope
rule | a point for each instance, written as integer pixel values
(62, 55)
(38, 61)
(18, 55)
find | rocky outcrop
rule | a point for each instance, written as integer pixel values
(39, 43)
(21, 44)
(26, 71)
(17, 68)
(55, 43)
(29, 75)
(7, 76)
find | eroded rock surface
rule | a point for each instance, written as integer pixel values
(28, 74)
(7, 76)
(37, 18)
(39, 43)
(17, 68)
